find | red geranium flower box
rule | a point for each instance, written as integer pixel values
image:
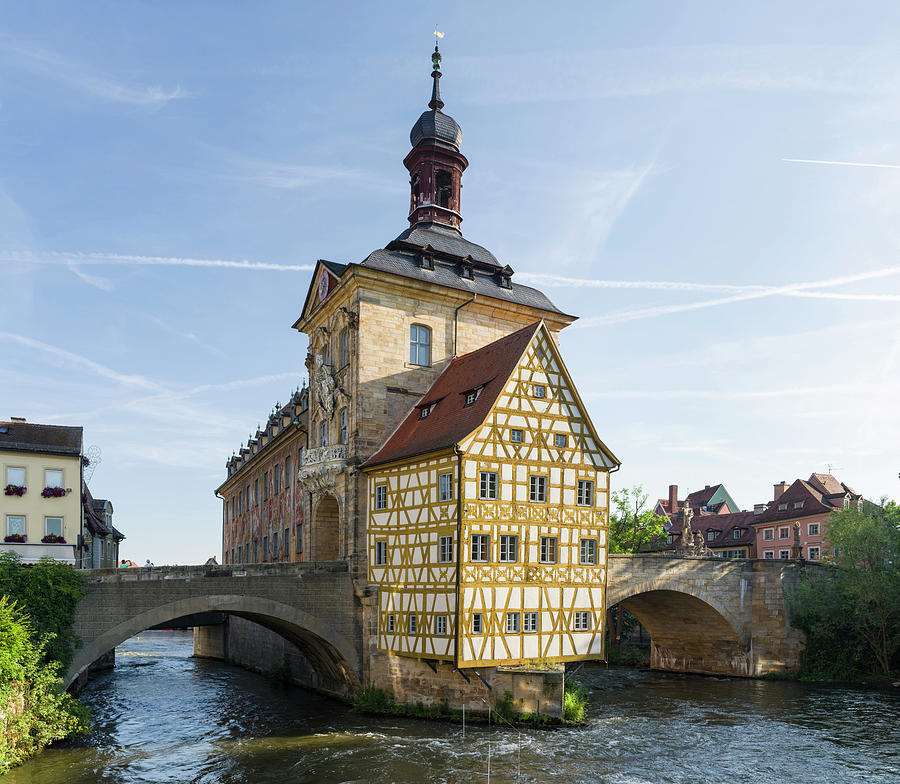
(53, 492)
(14, 490)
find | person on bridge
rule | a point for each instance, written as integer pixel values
(148, 564)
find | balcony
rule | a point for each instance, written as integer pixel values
(325, 454)
(321, 468)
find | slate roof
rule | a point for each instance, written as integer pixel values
(434, 124)
(45, 439)
(451, 420)
(814, 503)
(444, 240)
(93, 513)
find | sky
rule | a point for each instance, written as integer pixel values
(713, 189)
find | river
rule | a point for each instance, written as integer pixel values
(162, 716)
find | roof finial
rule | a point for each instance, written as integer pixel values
(436, 103)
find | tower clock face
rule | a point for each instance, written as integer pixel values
(323, 285)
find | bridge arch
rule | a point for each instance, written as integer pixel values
(331, 654)
(690, 629)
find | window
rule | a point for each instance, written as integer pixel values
(265, 485)
(275, 551)
(343, 426)
(509, 548)
(323, 433)
(515, 436)
(419, 345)
(769, 554)
(232, 507)
(512, 623)
(477, 624)
(287, 542)
(380, 497)
(276, 479)
(530, 622)
(472, 396)
(410, 624)
(768, 534)
(15, 524)
(670, 539)
(537, 489)
(488, 485)
(585, 495)
(445, 549)
(582, 621)
(799, 504)
(784, 532)
(813, 529)
(710, 535)
(299, 538)
(539, 390)
(380, 553)
(265, 549)
(560, 440)
(814, 553)
(445, 487)
(443, 183)
(425, 411)
(736, 533)
(784, 554)
(782, 507)
(548, 549)
(256, 491)
(247, 553)
(345, 347)
(481, 547)
(390, 623)
(15, 476)
(53, 478)
(440, 625)
(287, 473)
(588, 551)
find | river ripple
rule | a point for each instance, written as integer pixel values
(163, 717)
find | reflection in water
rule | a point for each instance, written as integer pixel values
(163, 717)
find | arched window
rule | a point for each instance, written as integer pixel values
(416, 192)
(443, 183)
(345, 347)
(419, 345)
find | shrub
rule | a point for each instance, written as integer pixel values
(575, 702)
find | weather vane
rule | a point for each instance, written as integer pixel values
(437, 34)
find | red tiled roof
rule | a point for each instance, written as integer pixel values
(451, 420)
(723, 523)
(814, 502)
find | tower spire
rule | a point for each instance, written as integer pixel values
(436, 102)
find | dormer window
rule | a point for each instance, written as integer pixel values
(710, 535)
(424, 411)
(504, 276)
(472, 396)
(466, 269)
(443, 187)
(737, 533)
(798, 504)
(782, 507)
(426, 261)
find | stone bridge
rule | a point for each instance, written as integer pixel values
(312, 605)
(718, 616)
(704, 615)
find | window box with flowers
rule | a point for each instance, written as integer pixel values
(53, 539)
(16, 539)
(53, 492)
(15, 490)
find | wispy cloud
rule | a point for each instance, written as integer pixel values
(82, 259)
(845, 163)
(663, 310)
(78, 359)
(712, 394)
(81, 77)
(92, 280)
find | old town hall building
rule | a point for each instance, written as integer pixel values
(441, 448)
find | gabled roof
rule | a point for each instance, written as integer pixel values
(45, 439)
(93, 513)
(723, 524)
(485, 370)
(813, 500)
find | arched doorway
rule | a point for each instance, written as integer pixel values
(325, 530)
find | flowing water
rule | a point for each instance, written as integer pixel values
(161, 716)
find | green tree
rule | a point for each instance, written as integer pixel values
(49, 591)
(633, 526)
(850, 610)
(34, 708)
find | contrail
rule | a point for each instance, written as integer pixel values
(844, 163)
(56, 257)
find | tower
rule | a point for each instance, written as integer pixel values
(435, 163)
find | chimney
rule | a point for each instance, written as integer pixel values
(780, 489)
(673, 499)
(17, 419)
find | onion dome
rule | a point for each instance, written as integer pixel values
(434, 124)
